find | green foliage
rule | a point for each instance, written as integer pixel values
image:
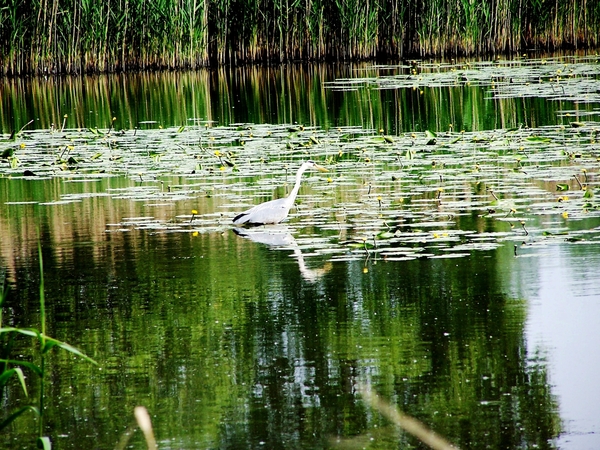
(87, 35)
(46, 343)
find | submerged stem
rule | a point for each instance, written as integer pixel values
(42, 340)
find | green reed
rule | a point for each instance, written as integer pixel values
(11, 368)
(55, 36)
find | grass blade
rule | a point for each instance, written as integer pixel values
(16, 414)
(15, 362)
(7, 374)
(51, 342)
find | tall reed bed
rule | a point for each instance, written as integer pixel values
(57, 36)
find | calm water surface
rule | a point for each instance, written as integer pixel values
(232, 343)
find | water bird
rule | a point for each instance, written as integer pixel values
(275, 211)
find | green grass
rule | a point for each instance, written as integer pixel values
(14, 368)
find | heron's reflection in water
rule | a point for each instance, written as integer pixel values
(281, 237)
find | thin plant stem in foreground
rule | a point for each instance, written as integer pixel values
(404, 421)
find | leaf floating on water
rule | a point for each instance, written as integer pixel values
(395, 200)
(538, 139)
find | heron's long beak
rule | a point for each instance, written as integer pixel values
(320, 168)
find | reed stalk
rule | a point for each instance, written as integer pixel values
(55, 36)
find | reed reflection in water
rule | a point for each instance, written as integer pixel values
(284, 94)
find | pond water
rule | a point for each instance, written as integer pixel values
(448, 260)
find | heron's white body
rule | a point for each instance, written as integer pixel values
(275, 211)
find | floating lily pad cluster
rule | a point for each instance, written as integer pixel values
(396, 197)
(435, 194)
(575, 79)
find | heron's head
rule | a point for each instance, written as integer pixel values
(311, 163)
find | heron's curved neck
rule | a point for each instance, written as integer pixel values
(296, 188)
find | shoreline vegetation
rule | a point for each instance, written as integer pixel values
(89, 36)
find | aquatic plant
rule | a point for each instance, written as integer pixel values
(55, 37)
(11, 368)
(409, 198)
(404, 421)
(437, 193)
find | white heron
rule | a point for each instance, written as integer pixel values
(275, 211)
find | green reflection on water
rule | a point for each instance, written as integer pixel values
(228, 345)
(285, 94)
